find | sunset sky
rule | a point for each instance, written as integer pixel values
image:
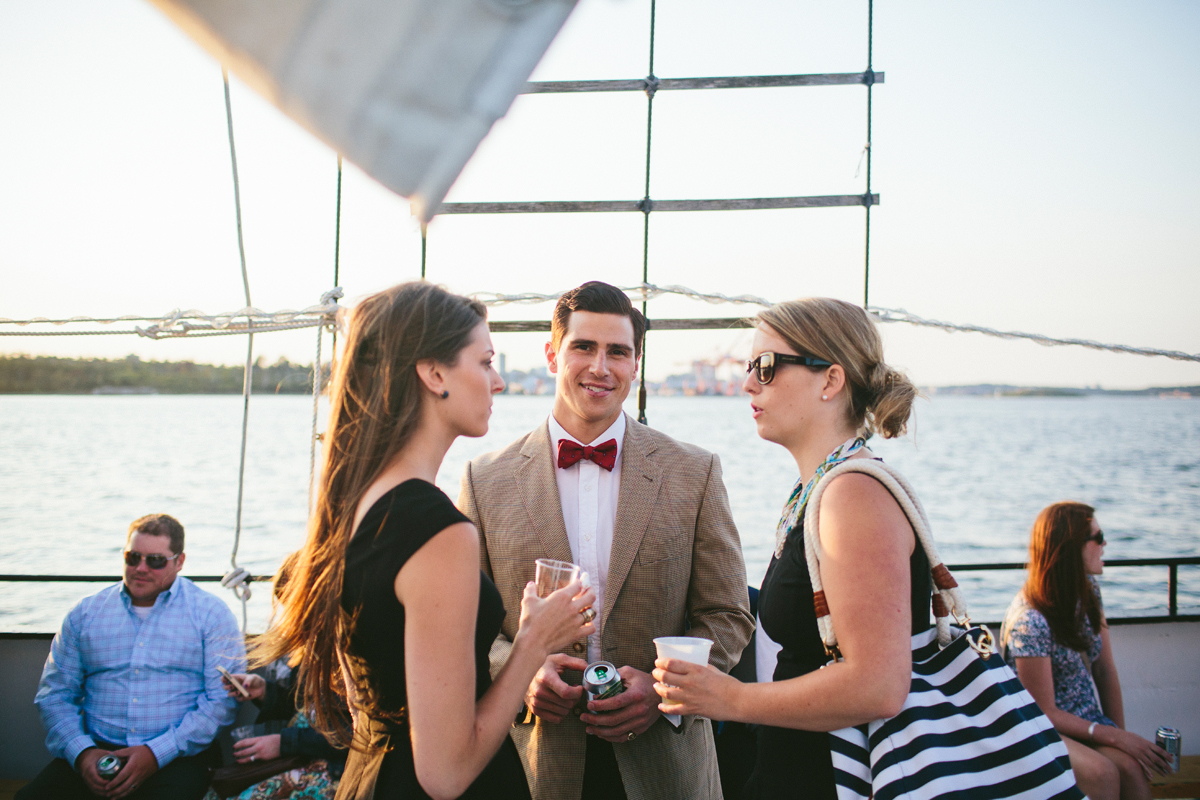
(1037, 163)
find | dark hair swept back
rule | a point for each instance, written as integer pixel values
(598, 298)
(376, 399)
(1058, 584)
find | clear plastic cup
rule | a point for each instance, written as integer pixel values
(551, 575)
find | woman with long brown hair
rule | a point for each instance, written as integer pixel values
(387, 589)
(1056, 639)
(819, 387)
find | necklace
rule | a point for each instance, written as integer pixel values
(798, 499)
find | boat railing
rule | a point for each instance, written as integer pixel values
(1172, 563)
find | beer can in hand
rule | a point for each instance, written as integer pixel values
(602, 681)
(1170, 740)
(108, 766)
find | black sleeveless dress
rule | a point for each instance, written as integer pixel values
(398, 525)
(795, 764)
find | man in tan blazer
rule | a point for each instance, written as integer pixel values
(648, 518)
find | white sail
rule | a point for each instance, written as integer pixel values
(406, 89)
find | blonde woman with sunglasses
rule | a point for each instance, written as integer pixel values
(818, 386)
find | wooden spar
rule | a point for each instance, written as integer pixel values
(602, 206)
(675, 84)
(692, 324)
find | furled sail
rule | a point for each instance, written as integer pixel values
(406, 89)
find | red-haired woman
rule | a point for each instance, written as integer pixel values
(1056, 638)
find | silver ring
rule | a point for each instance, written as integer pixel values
(253, 757)
(589, 614)
(630, 736)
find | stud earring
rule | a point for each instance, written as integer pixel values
(824, 397)
(445, 393)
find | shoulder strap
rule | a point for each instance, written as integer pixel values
(946, 597)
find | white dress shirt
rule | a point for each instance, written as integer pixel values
(589, 494)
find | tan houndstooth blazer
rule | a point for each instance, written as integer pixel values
(676, 568)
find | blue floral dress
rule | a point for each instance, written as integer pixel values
(1026, 634)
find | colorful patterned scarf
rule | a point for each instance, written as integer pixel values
(798, 499)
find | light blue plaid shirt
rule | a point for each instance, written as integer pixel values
(115, 677)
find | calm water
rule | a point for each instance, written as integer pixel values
(75, 470)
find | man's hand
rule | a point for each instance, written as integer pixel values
(256, 685)
(86, 765)
(549, 696)
(632, 711)
(257, 748)
(140, 764)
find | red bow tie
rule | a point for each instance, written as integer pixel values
(604, 454)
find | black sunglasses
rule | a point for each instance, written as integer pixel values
(153, 560)
(764, 366)
(1097, 537)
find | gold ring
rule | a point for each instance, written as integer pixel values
(589, 614)
(630, 736)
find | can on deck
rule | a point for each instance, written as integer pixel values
(108, 766)
(1170, 740)
(602, 681)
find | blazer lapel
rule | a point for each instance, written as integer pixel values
(641, 480)
(539, 494)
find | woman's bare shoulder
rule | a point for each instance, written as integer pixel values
(850, 490)
(855, 506)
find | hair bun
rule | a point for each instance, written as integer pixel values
(892, 396)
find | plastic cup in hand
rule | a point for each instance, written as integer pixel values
(247, 732)
(551, 575)
(684, 648)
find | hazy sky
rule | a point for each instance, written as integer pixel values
(1037, 163)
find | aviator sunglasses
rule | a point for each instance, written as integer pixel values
(153, 560)
(764, 366)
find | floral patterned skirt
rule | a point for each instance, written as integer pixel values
(310, 782)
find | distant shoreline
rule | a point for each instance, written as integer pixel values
(996, 390)
(40, 375)
(132, 375)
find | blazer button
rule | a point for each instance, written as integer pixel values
(578, 647)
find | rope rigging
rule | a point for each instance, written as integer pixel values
(179, 323)
(324, 314)
(238, 578)
(647, 207)
(648, 291)
(900, 315)
(868, 199)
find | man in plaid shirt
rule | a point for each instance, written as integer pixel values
(133, 672)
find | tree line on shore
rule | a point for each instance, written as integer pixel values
(20, 374)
